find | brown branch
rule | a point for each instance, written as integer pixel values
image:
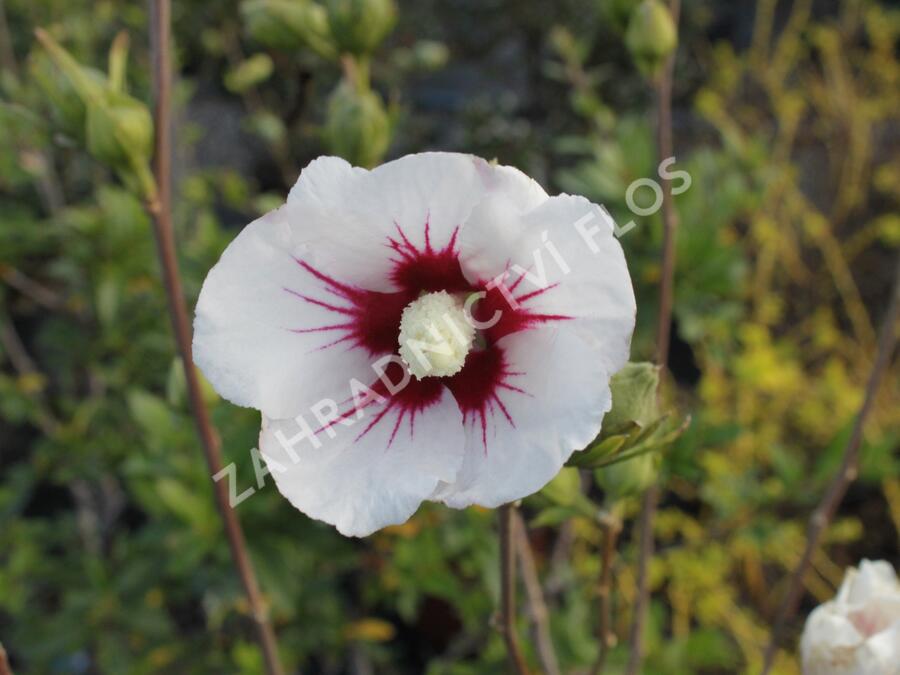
(560, 558)
(7, 56)
(508, 590)
(606, 636)
(24, 366)
(160, 209)
(664, 322)
(537, 606)
(33, 290)
(4, 663)
(846, 474)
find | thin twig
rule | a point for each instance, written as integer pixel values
(25, 366)
(611, 526)
(160, 209)
(664, 321)
(7, 56)
(669, 217)
(537, 606)
(33, 290)
(560, 561)
(12, 344)
(508, 590)
(4, 663)
(846, 474)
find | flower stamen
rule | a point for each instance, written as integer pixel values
(435, 323)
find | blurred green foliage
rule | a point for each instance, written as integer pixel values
(111, 554)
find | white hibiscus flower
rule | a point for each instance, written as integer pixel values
(436, 328)
(857, 633)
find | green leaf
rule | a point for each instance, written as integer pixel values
(249, 73)
(150, 412)
(597, 452)
(553, 515)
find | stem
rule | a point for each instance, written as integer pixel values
(4, 662)
(846, 474)
(611, 527)
(7, 56)
(356, 71)
(24, 366)
(537, 606)
(664, 322)
(508, 590)
(160, 208)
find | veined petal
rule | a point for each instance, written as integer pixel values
(552, 404)
(374, 473)
(266, 330)
(306, 297)
(374, 221)
(557, 257)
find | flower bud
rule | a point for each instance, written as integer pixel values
(118, 128)
(651, 36)
(67, 106)
(119, 131)
(359, 26)
(628, 478)
(357, 127)
(634, 397)
(858, 631)
(289, 24)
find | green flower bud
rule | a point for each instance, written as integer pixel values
(634, 399)
(119, 131)
(67, 106)
(651, 36)
(628, 478)
(357, 127)
(289, 24)
(118, 128)
(359, 26)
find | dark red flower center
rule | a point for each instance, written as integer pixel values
(370, 320)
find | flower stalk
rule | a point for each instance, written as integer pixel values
(4, 663)
(159, 205)
(537, 605)
(508, 590)
(610, 525)
(664, 320)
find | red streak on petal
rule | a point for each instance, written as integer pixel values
(371, 321)
(416, 396)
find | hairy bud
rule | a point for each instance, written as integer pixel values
(651, 36)
(357, 127)
(359, 26)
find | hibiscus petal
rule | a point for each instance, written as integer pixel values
(293, 310)
(369, 220)
(552, 404)
(555, 257)
(264, 324)
(374, 473)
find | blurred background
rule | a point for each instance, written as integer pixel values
(112, 557)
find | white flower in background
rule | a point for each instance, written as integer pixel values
(857, 633)
(352, 306)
